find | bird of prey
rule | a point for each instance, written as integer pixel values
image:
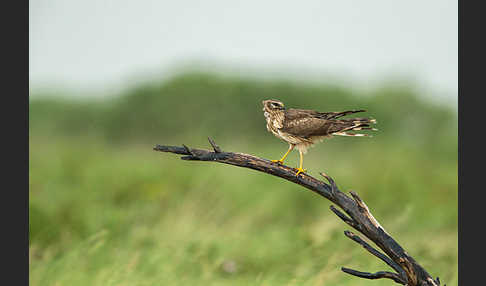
(302, 128)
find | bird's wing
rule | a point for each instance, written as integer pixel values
(305, 123)
(334, 115)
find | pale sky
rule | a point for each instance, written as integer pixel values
(101, 44)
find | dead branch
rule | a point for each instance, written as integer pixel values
(358, 216)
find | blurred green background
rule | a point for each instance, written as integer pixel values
(105, 209)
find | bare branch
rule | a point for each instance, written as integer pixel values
(344, 217)
(358, 214)
(331, 182)
(378, 254)
(188, 150)
(215, 147)
(377, 275)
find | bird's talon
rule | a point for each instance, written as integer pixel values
(300, 170)
(280, 162)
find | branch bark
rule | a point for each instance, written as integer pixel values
(358, 216)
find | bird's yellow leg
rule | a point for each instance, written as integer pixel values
(300, 170)
(291, 147)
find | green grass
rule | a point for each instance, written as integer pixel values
(105, 209)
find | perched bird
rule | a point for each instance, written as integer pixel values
(302, 128)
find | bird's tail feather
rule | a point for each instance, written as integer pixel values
(364, 128)
(340, 114)
(351, 134)
(334, 115)
(359, 120)
(355, 124)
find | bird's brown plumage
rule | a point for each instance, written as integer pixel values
(306, 123)
(302, 128)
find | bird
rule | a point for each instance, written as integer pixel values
(303, 128)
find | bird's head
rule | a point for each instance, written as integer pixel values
(272, 105)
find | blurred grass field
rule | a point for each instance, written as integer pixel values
(105, 209)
